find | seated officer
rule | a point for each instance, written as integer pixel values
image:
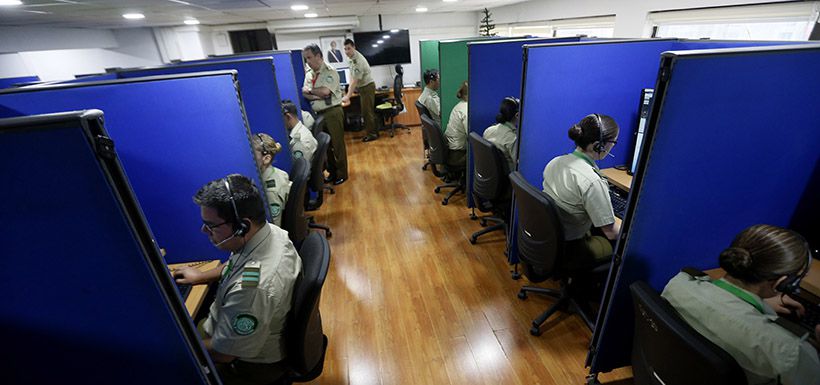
(503, 134)
(738, 311)
(429, 96)
(307, 120)
(302, 143)
(243, 330)
(575, 184)
(456, 132)
(277, 182)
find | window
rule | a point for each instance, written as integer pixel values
(599, 26)
(787, 21)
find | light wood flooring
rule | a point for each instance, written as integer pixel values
(408, 300)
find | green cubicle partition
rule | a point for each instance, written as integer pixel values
(452, 55)
(428, 50)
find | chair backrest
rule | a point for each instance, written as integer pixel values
(317, 180)
(318, 122)
(490, 180)
(540, 234)
(398, 83)
(422, 109)
(435, 140)
(293, 216)
(666, 350)
(304, 337)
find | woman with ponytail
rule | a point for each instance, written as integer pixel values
(739, 311)
(504, 134)
(277, 182)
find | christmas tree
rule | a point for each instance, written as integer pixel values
(486, 27)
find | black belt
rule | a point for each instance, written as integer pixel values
(328, 109)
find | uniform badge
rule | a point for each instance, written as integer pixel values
(275, 209)
(244, 324)
(251, 274)
(329, 78)
(297, 154)
(270, 183)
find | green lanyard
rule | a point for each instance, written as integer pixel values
(227, 271)
(583, 156)
(746, 297)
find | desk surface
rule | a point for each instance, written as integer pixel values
(810, 283)
(198, 292)
(619, 178)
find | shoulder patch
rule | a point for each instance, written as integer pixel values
(270, 183)
(251, 274)
(244, 324)
(275, 209)
(298, 154)
(330, 78)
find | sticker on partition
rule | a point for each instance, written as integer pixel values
(244, 324)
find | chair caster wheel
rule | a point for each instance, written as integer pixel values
(329, 234)
(472, 240)
(437, 190)
(522, 295)
(535, 331)
(482, 222)
(516, 276)
(424, 168)
(444, 202)
(473, 216)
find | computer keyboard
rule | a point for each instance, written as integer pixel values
(618, 198)
(184, 290)
(812, 315)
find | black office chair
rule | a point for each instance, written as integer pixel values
(666, 350)
(439, 154)
(317, 182)
(392, 107)
(541, 250)
(318, 127)
(305, 341)
(293, 216)
(423, 111)
(491, 186)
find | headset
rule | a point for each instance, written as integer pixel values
(241, 227)
(264, 152)
(599, 148)
(791, 285)
(515, 103)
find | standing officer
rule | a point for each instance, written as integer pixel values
(322, 89)
(361, 78)
(243, 331)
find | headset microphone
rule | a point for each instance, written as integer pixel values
(234, 235)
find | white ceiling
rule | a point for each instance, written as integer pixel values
(108, 14)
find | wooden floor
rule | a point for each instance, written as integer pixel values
(409, 300)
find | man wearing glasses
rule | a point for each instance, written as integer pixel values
(243, 330)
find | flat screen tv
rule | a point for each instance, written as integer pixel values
(384, 47)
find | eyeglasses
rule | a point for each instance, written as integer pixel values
(211, 227)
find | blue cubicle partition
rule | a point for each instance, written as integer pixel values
(87, 297)
(258, 90)
(299, 71)
(173, 134)
(494, 71)
(14, 82)
(717, 160)
(91, 78)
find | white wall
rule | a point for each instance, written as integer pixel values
(60, 53)
(630, 16)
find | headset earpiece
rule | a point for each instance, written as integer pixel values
(241, 227)
(599, 148)
(791, 285)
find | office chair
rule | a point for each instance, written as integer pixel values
(423, 111)
(293, 216)
(439, 154)
(491, 186)
(541, 249)
(318, 127)
(304, 339)
(317, 182)
(392, 107)
(666, 350)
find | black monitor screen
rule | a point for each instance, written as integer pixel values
(384, 47)
(646, 102)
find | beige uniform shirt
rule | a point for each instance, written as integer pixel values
(762, 348)
(326, 77)
(302, 143)
(254, 296)
(360, 70)
(431, 100)
(307, 119)
(456, 132)
(503, 136)
(277, 188)
(580, 193)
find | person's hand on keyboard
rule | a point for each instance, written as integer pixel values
(188, 275)
(783, 304)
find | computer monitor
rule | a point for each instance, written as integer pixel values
(344, 76)
(643, 109)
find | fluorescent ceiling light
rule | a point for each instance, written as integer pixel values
(180, 2)
(299, 7)
(449, 1)
(133, 16)
(394, 30)
(421, 9)
(375, 46)
(191, 22)
(385, 36)
(10, 2)
(379, 41)
(309, 15)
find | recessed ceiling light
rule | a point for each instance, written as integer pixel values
(375, 46)
(449, 1)
(133, 16)
(299, 7)
(394, 30)
(311, 15)
(379, 41)
(191, 22)
(421, 9)
(385, 36)
(11, 2)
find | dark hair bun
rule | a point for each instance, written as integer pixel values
(738, 263)
(575, 132)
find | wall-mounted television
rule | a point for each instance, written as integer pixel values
(384, 47)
